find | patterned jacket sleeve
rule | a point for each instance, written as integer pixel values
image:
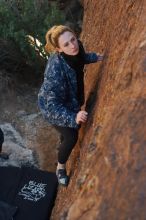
(52, 103)
(90, 58)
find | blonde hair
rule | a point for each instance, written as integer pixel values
(53, 35)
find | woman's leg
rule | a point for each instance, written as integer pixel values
(69, 137)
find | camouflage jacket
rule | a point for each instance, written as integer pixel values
(57, 98)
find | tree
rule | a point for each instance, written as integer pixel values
(24, 24)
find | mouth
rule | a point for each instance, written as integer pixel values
(75, 51)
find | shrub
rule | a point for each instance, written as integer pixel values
(24, 24)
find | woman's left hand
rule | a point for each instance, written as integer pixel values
(100, 57)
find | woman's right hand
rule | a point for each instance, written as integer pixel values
(81, 117)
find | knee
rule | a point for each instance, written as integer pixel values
(72, 138)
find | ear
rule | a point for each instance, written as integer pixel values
(59, 49)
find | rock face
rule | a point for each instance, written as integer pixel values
(107, 166)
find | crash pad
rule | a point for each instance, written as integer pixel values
(31, 191)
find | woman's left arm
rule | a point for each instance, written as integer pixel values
(93, 57)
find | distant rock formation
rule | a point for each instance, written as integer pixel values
(15, 146)
(29, 141)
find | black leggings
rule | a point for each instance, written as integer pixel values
(68, 139)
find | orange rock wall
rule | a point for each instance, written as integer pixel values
(108, 165)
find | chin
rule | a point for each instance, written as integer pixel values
(75, 53)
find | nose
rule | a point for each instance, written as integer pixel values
(72, 45)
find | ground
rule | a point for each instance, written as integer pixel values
(29, 140)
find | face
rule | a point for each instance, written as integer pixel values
(68, 43)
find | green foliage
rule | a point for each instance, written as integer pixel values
(22, 18)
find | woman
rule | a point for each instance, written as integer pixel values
(62, 92)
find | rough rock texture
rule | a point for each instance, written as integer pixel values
(107, 166)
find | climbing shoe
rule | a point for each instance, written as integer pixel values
(62, 177)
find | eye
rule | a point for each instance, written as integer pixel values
(73, 39)
(66, 44)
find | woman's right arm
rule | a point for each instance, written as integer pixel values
(52, 100)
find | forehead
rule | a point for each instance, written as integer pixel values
(65, 37)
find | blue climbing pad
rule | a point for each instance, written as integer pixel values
(30, 191)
